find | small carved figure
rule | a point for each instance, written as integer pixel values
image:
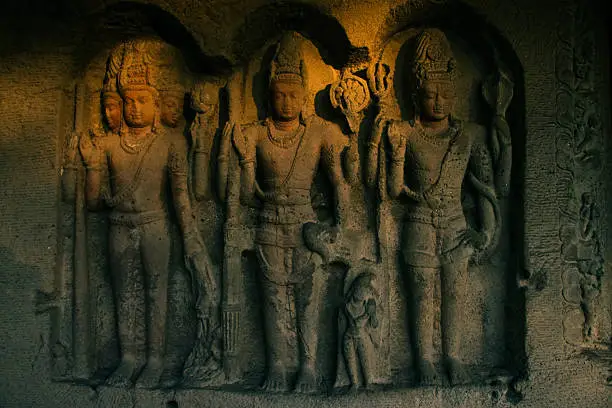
(203, 130)
(359, 341)
(141, 160)
(590, 265)
(430, 159)
(287, 149)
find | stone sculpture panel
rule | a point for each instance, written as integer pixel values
(295, 225)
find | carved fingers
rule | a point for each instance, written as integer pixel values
(379, 126)
(89, 152)
(242, 144)
(72, 147)
(398, 144)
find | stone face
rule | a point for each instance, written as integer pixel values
(298, 204)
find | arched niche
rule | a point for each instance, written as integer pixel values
(87, 326)
(495, 311)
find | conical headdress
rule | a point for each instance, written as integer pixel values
(137, 69)
(288, 63)
(434, 60)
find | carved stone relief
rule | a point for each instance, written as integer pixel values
(293, 226)
(580, 163)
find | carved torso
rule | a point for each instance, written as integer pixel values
(438, 164)
(143, 172)
(289, 169)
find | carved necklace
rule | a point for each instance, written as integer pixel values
(285, 140)
(437, 138)
(133, 145)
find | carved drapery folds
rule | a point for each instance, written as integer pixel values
(294, 225)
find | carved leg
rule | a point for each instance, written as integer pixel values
(310, 297)
(366, 356)
(422, 280)
(274, 299)
(155, 249)
(127, 289)
(454, 280)
(350, 357)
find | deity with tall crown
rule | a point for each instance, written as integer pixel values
(147, 169)
(431, 157)
(279, 158)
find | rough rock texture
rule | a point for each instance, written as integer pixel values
(559, 117)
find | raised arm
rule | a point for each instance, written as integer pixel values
(95, 161)
(397, 140)
(351, 160)
(380, 126)
(331, 149)
(69, 168)
(245, 145)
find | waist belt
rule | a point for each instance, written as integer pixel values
(129, 219)
(437, 217)
(286, 214)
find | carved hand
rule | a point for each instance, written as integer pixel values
(241, 144)
(377, 130)
(398, 144)
(72, 147)
(202, 133)
(90, 153)
(479, 240)
(433, 197)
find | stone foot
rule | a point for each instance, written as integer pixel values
(151, 375)
(456, 371)
(170, 378)
(427, 373)
(353, 389)
(307, 381)
(125, 373)
(276, 380)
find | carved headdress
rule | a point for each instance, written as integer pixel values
(137, 70)
(434, 60)
(288, 63)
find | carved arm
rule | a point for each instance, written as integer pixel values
(396, 169)
(380, 126)
(331, 162)
(69, 168)
(245, 146)
(93, 157)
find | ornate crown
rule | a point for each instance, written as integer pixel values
(288, 63)
(434, 60)
(136, 69)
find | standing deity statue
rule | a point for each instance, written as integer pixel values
(430, 159)
(279, 159)
(145, 163)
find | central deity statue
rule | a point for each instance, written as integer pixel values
(280, 157)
